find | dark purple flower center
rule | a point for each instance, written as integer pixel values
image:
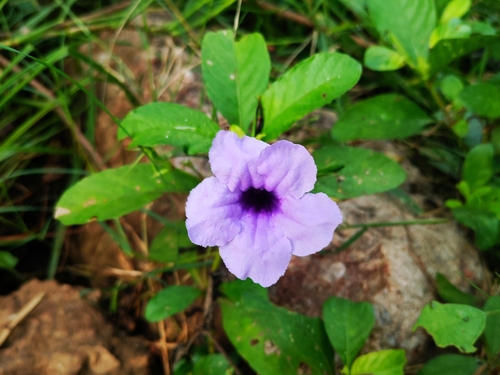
(259, 200)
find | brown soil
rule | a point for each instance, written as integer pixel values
(65, 334)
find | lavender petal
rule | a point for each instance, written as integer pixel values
(260, 251)
(213, 213)
(308, 222)
(287, 169)
(233, 160)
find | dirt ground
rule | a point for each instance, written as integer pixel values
(66, 333)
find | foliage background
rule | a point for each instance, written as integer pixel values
(52, 92)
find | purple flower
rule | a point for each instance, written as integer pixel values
(257, 208)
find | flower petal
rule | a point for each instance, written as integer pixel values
(260, 251)
(288, 169)
(308, 222)
(233, 160)
(213, 213)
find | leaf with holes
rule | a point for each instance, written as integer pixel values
(170, 301)
(452, 324)
(388, 116)
(235, 74)
(115, 192)
(348, 325)
(357, 171)
(169, 124)
(310, 85)
(273, 340)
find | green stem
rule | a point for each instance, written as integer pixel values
(124, 244)
(351, 240)
(439, 101)
(56, 250)
(396, 223)
(216, 263)
(15, 273)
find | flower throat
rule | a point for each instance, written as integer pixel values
(259, 200)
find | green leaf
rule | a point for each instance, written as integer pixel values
(495, 139)
(461, 128)
(364, 172)
(165, 246)
(7, 260)
(451, 86)
(478, 166)
(115, 192)
(310, 85)
(358, 7)
(454, 29)
(383, 59)
(448, 50)
(443, 159)
(408, 24)
(492, 329)
(455, 9)
(170, 301)
(485, 225)
(474, 136)
(196, 14)
(452, 324)
(273, 340)
(183, 367)
(451, 364)
(482, 99)
(235, 74)
(388, 116)
(212, 364)
(244, 289)
(453, 203)
(383, 362)
(440, 6)
(348, 325)
(485, 198)
(450, 293)
(169, 124)
(483, 28)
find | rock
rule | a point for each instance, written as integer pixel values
(100, 361)
(391, 267)
(65, 335)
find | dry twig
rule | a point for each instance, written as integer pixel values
(4, 333)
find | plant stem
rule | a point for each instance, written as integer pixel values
(396, 223)
(439, 101)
